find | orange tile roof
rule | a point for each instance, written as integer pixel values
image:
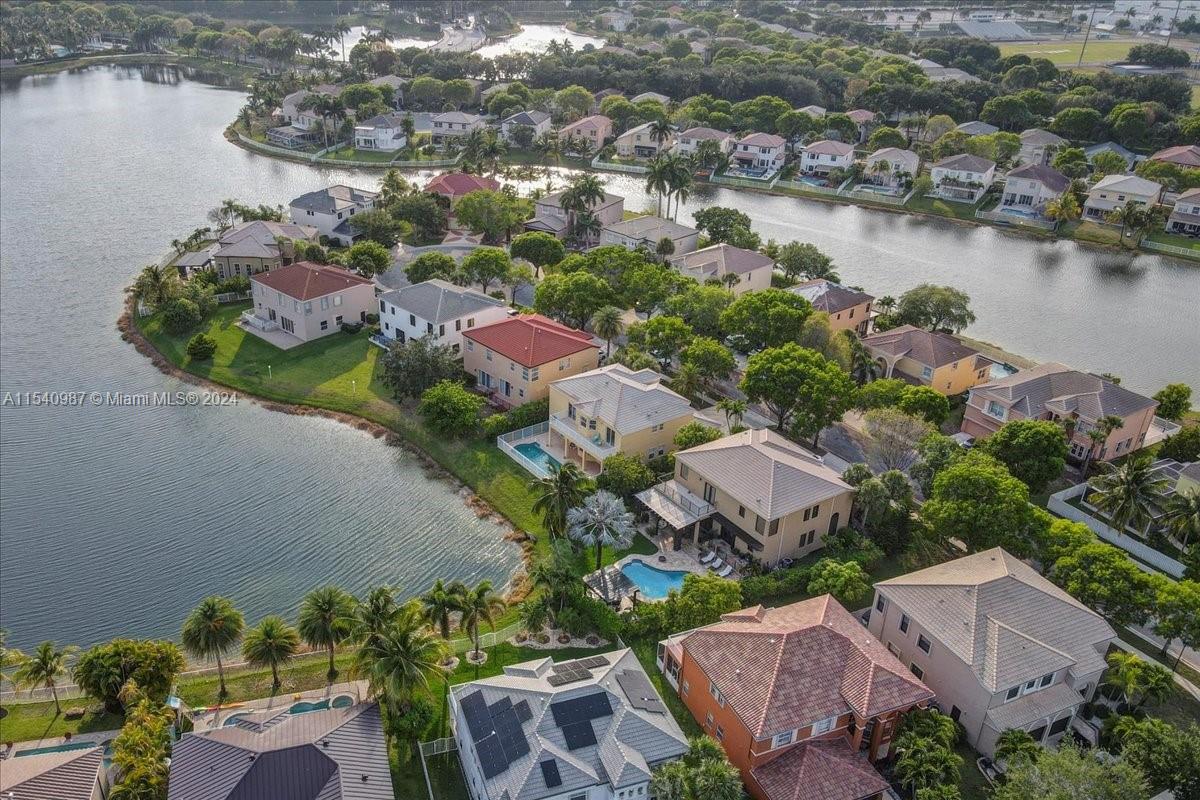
(819, 770)
(305, 280)
(785, 668)
(457, 184)
(531, 339)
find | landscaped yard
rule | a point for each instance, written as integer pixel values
(25, 721)
(943, 208)
(1088, 231)
(1064, 53)
(354, 154)
(971, 783)
(1186, 242)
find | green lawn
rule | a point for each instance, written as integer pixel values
(1196, 97)
(26, 721)
(971, 783)
(354, 154)
(1066, 53)
(942, 208)
(1088, 231)
(1187, 242)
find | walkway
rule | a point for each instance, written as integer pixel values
(1180, 681)
(215, 718)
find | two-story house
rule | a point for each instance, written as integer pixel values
(760, 152)
(1116, 191)
(456, 185)
(307, 300)
(549, 216)
(1185, 216)
(595, 130)
(381, 132)
(437, 309)
(611, 410)
(394, 86)
(515, 359)
(976, 128)
(589, 729)
(891, 166)
(761, 493)
(689, 141)
(720, 261)
(927, 358)
(826, 155)
(454, 125)
(641, 142)
(1038, 146)
(800, 697)
(648, 232)
(962, 178)
(330, 210)
(848, 309)
(1056, 392)
(866, 121)
(249, 248)
(1030, 187)
(537, 122)
(1181, 155)
(1000, 646)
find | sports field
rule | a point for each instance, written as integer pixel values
(1066, 53)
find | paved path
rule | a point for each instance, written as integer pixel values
(1180, 681)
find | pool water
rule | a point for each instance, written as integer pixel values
(534, 452)
(58, 748)
(654, 583)
(341, 701)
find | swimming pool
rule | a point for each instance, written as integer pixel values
(534, 452)
(58, 748)
(303, 707)
(654, 583)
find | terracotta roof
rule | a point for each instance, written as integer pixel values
(531, 339)
(456, 184)
(786, 668)
(589, 123)
(1185, 155)
(305, 280)
(924, 347)
(861, 115)
(819, 770)
(705, 133)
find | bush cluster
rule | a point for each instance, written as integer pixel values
(516, 418)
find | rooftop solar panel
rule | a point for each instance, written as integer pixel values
(500, 706)
(594, 661)
(550, 773)
(491, 756)
(579, 734)
(579, 709)
(640, 691)
(570, 677)
(475, 712)
(524, 712)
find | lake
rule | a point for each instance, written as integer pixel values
(115, 521)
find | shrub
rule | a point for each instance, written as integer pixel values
(571, 621)
(103, 670)
(351, 327)
(1103, 712)
(516, 418)
(180, 316)
(372, 319)
(201, 347)
(449, 408)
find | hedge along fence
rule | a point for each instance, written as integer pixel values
(517, 418)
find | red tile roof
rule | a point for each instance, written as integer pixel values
(531, 339)
(456, 184)
(1185, 155)
(785, 668)
(819, 770)
(305, 280)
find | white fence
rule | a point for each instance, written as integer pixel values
(486, 640)
(868, 196)
(436, 747)
(746, 183)
(1059, 505)
(636, 169)
(1175, 250)
(1015, 219)
(801, 186)
(232, 297)
(505, 442)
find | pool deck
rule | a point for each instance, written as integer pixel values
(215, 719)
(684, 560)
(93, 737)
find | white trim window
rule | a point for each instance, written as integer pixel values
(782, 739)
(716, 693)
(823, 725)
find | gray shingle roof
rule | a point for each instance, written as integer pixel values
(68, 775)
(966, 162)
(719, 259)
(1001, 618)
(828, 296)
(625, 400)
(1128, 183)
(256, 239)
(1065, 390)
(439, 301)
(336, 198)
(335, 754)
(976, 128)
(1047, 176)
(764, 472)
(1036, 136)
(530, 118)
(651, 228)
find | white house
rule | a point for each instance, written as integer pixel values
(1185, 218)
(1031, 186)
(454, 125)
(438, 309)
(1038, 146)
(640, 143)
(536, 121)
(329, 210)
(760, 151)
(962, 178)
(382, 132)
(1114, 191)
(648, 231)
(899, 163)
(617, 20)
(689, 141)
(824, 156)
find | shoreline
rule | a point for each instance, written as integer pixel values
(239, 72)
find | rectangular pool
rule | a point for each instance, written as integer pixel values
(534, 452)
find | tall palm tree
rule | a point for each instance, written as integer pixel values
(270, 643)
(607, 324)
(656, 179)
(10, 657)
(557, 576)
(886, 303)
(1136, 679)
(863, 367)
(733, 409)
(340, 29)
(401, 661)
(1127, 216)
(212, 630)
(441, 602)
(601, 520)
(43, 667)
(679, 181)
(1181, 516)
(587, 226)
(1098, 434)
(374, 614)
(154, 286)
(563, 489)
(479, 605)
(326, 620)
(1125, 493)
(660, 131)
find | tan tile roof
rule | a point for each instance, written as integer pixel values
(765, 472)
(785, 668)
(819, 770)
(829, 147)
(828, 296)
(305, 280)
(1000, 617)
(719, 259)
(924, 347)
(627, 401)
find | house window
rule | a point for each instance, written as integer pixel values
(893, 649)
(716, 693)
(686, 687)
(533, 376)
(487, 354)
(823, 726)
(920, 673)
(470, 345)
(781, 739)
(337, 300)
(904, 623)
(708, 720)
(773, 528)
(324, 324)
(927, 372)
(720, 734)
(1046, 681)
(458, 324)
(683, 471)
(955, 713)
(879, 603)
(759, 524)
(471, 322)
(923, 643)
(994, 409)
(1012, 693)
(441, 330)
(382, 307)
(412, 320)
(742, 512)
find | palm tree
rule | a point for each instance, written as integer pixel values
(886, 303)
(563, 489)
(1127, 216)
(1181, 516)
(340, 29)
(923, 762)
(702, 774)
(587, 225)
(607, 324)
(393, 187)
(1137, 679)
(863, 366)
(1157, 685)
(1098, 435)
(401, 661)
(657, 172)
(733, 410)
(374, 614)
(1015, 744)
(326, 620)
(271, 643)
(212, 630)
(660, 131)
(1125, 493)
(154, 286)
(43, 667)
(440, 602)
(556, 576)
(9, 656)
(601, 520)
(479, 604)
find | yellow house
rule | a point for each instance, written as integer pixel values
(611, 410)
(515, 359)
(760, 492)
(925, 358)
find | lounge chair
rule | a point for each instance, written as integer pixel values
(707, 557)
(716, 565)
(724, 573)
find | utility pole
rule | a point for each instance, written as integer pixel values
(1170, 30)
(1086, 33)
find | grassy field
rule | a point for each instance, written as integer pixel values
(942, 208)
(1196, 97)
(1066, 53)
(354, 154)
(1187, 242)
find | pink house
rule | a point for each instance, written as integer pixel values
(595, 130)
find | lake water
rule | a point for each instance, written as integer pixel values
(116, 521)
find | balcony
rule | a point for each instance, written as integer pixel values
(258, 323)
(593, 443)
